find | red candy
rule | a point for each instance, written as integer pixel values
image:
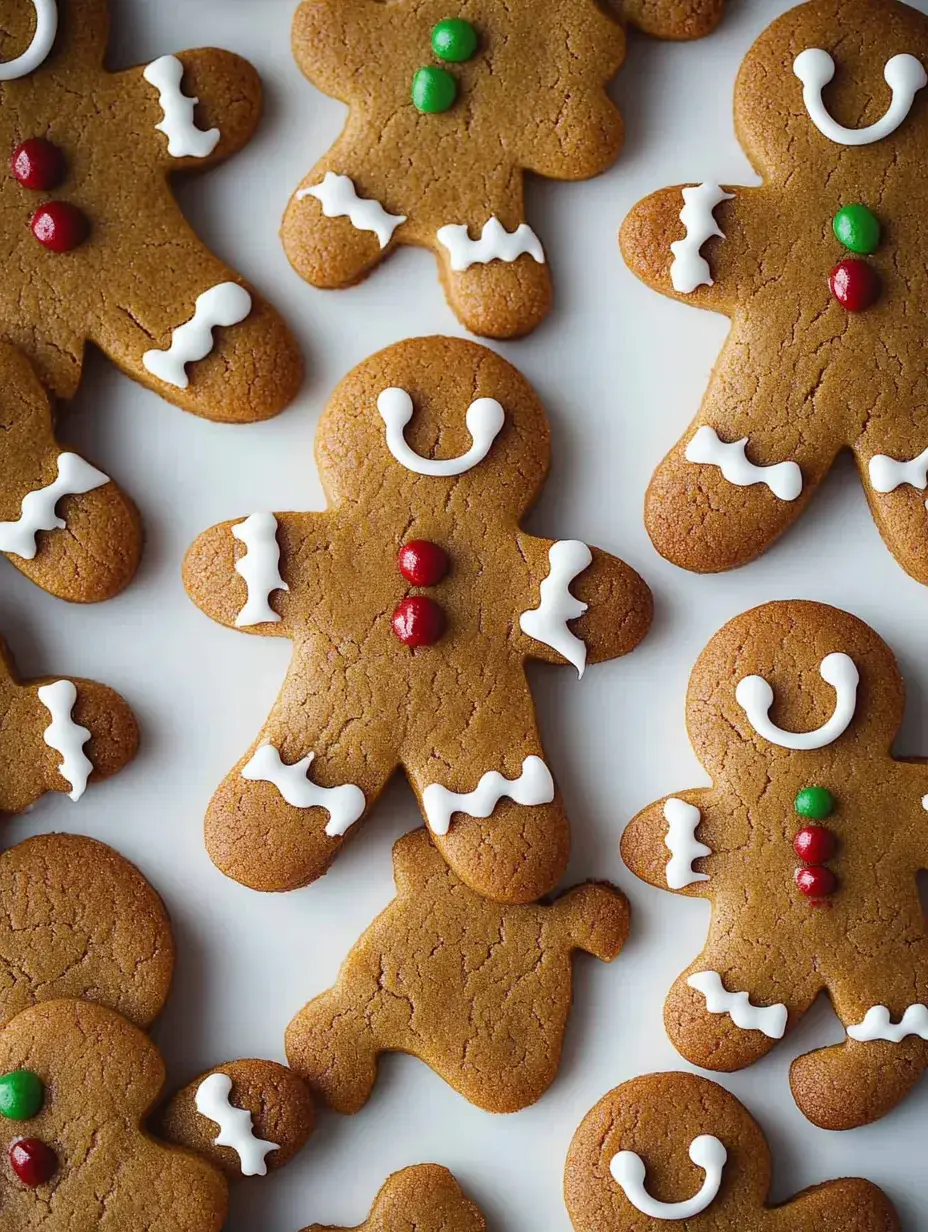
(422, 563)
(33, 1162)
(816, 882)
(814, 844)
(59, 226)
(418, 621)
(855, 284)
(38, 164)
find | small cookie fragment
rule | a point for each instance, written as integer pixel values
(425, 1197)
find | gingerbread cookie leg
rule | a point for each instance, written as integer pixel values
(859, 1205)
(425, 1197)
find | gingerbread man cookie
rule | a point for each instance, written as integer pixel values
(677, 1151)
(413, 603)
(822, 271)
(807, 845)
(477, 990)
(58, 735)
(450, 106)
(426, 1198)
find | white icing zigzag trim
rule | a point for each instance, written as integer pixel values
(344, 804)
(260, 567)
(495, 244)
(65, 736)
(533, 786)
(236, 1128)
(878, 1026)
(769, 1019)
(46, 29)
(755, 697)
(887, 474)
(548, 622)
(784, 479)
(706, 1152)
(682, 843)
(75, 477)
(689, 270)
(484, 419)
(184, 138)
(228, 303)
(904, 76)
(339, 199)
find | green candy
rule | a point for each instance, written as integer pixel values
(858, 229)
(21, 1095)
(454, 39)
(815, 802)
(433, 90)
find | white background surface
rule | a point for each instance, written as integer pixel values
(621, 370)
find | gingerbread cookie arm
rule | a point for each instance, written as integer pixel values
(669, 843)
(895, 479)
(333, 40)
(863, 1206)
(597, 916)
(672, 19)
(425, 1197)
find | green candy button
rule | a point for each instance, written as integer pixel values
(815, 802)
(433, 90)
(21, 1095)
(454, 39)
(858, 229)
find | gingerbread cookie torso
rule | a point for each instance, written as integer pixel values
(807, 844)
(450, 105)
(822, 270)
(425, 1197)
(479, 991)
(413, 604)
(678, 1151)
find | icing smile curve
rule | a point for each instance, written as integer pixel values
(755, 697)
(904, 75)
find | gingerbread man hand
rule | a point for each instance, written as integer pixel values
(807, 844)
(425, 1197)
(678, 1151)
(413, 603)
(821, 270)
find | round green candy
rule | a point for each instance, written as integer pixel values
(22, 1094)
(858, 229)
(454, 39)
(815, 802)
(433, 90)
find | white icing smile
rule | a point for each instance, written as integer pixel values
(690, 270)
(75, 477)
(682, 843)
(225, 304)
(904, 75)
(877, 1025)
(533, 786)
(548, 622)
(784, 479)
(260, 568)
(236, 1128)
(484, 419)
(339, 199)
(706, 1152)
(46, 28)
(184, 138)
(755, 697)
(887, 474)
(495, 244)
(344, 804)
(65, 736)
(769, 1019)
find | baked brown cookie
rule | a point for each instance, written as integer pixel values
(820, 269)
(450, 106)
(677, 1151)
(57, 735)
(426, 1198)
(413, 604)
(477, 990)
(807, 844)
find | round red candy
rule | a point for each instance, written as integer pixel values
(418, 621)
(814, 844)
(422, 563)
(855, 284)
(59, 226)
(33, 1162)
(38, 164)
(816, 882)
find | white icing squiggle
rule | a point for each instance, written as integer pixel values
(260, 567)
(904, 75)
(706, 1152)
(755, 697)
(548, 622)
(46, 29)
(65, 736)
(344, 804)
(784, 479)
(339, 199)
(887, 474)
(484, 419)
(682, 843)
(769, 1019)
(495, 244)
(184, 138)
(533, 786)
(228, 303)
(690, 270)
(236, 1128)
(877, 1025)
(75, 477)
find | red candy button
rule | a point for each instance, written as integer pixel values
(855, 284)
(816, 882)
(422, 563)
(814, 844)
(33, 1162)
(418, 621)
(59, 226)
(38, 164)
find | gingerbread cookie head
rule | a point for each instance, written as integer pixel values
(677, 1151)
(425, 1197)
(96, 247)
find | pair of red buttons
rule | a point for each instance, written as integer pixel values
(419, 620)
(39, 165)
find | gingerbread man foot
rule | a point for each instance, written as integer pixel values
(426, 1197)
